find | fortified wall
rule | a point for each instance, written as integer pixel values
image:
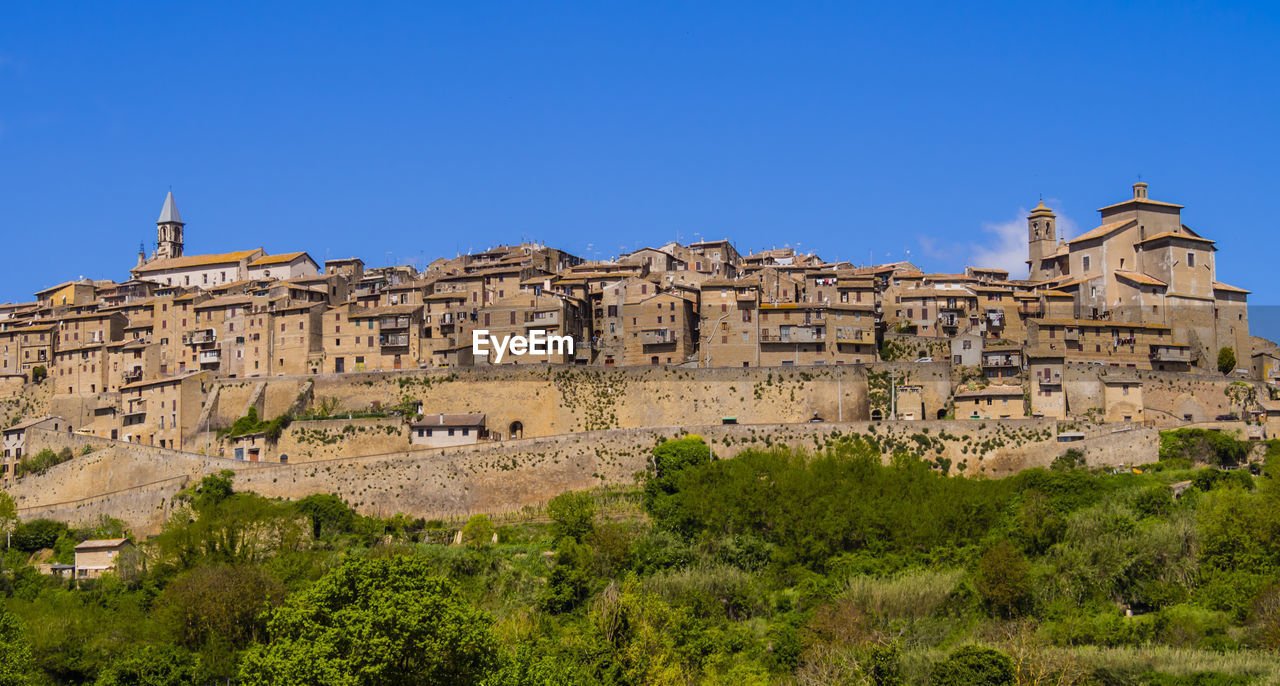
(138, 483)
(529, 401)
(1168, 398)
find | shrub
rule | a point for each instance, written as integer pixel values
(478, 531)
(1226, 360)
(1072, 459)
(37, 534)
(572, 515)
(39, 373)
(974, 666)
(1004, 581)
(1203, 446)
(42, 461)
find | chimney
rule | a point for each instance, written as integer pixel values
(1139, 191)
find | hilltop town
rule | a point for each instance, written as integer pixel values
(1125, 323)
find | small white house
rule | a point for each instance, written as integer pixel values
(444, 430)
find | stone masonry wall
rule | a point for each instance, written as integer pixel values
(137, 483)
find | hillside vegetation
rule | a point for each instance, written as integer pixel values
(774, 567)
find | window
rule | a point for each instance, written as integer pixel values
(1191, 259)
(1085, 263)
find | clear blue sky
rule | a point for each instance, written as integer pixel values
(417, 130)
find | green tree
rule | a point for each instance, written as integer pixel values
(670, 459)
(38, 373)
(327, 512)
(214, 488)
(1004, 581)
(478, 531)
(572, 515)
(218, 603)
(884, 666)
(379, 622)
(15, 652)
(37, 534)
(1226, 360)
(8, 513)
(240, 528)
(974, 666)
(153, 666)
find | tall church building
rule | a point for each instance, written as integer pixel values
(1143, 265)
(170, 265)
(169, 230)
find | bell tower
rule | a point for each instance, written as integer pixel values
(1042, 239)
(169, 230)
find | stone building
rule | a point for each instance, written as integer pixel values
(1142, 265)
(96, 557)
(447, 430)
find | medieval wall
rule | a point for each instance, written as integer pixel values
(137, 483)
(546, 400)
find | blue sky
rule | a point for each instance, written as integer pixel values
(409, 131)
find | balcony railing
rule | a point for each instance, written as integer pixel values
(210, 356)
(1170, 354)
(795, 335)
(199, 337)
(1002, 361)
(394, 323)
(949, 320)
(658, 336)
(850, 335)
(1031, 309)
(1071, 335)
(131, 375)
(396, 340)
(1050, 379)
(537, 319)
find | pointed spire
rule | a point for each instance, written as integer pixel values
(169, 213)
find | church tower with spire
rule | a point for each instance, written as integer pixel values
(169, 230)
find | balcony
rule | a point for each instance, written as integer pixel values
(745, 296)
(852, 335)
(1031, 309)
(948, 320)
(658, 336)
(132, 375)
(395, 340)
(199, 337)
(1002, 361)
(995, 317)
(394, 323)
(1171, 353)
(209, 356)
(541, 320)
(137, 408)
(1051, 378)
(795, 334)
(1071, 334)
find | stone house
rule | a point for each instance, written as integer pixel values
(96, 557)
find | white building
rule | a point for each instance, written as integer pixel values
(445, 430)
